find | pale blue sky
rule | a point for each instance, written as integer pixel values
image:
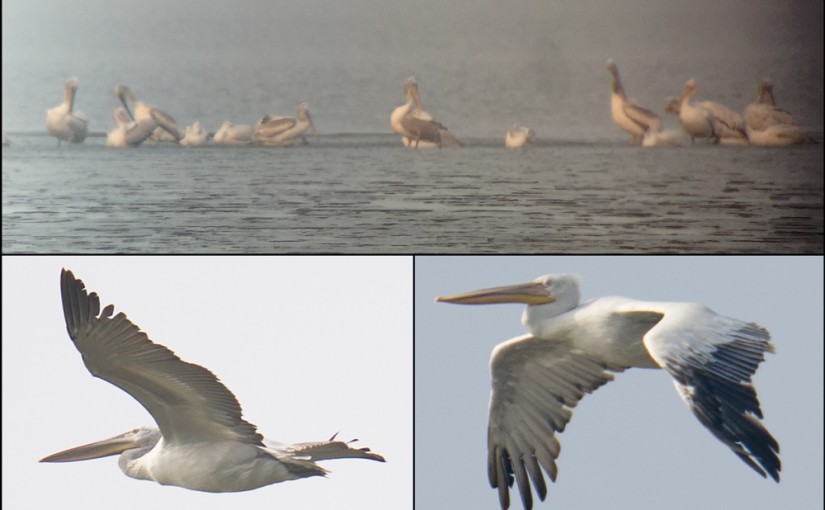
(310, 347)
(633, 443)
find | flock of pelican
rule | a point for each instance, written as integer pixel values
(762, 124)
(144, 121)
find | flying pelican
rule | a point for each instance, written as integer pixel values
(627, 113)
(230, 134)
(63, 122)
(279, 131)
(203, 443)
(519, 136)
(194, 136)
(418, 129)
(573, 349)
(143, 111)
(709, 119)
(128, 133)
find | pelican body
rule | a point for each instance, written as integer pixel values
(230, 134)
(280, 131)
(627, 113)
(573, 349)
(128, 133)
(63, 122)
(768, 125)
(202, 443)
(194, 136)
(146, 112)
(519, 136)
(418, 129)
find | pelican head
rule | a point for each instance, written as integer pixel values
(614, 71)
(673, 104)
(411, 91)
(766, 92)
(302, 113)
(546, 297)
(691, 86)
(141, 440)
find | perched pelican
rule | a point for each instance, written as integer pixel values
(762, 112)
(128, 133)
(709, 119)
(627, 113)
(194, 136)
(418, 128)
(778, 134)
(63, 122)
(278, 131)
(203, 442)
(230, 134)
(573, 349)
(519, 136)
(143, 111)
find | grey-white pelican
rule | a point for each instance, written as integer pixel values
(230, 134)
(573, 349)
(194, 136)
(280, 131)
(203, 442)
(418, 129)
(63, 122)
(762, 112)
(519, 136)
(143, 111)
(128, 133)
(709, 119)
(778, 134)
(627, 113)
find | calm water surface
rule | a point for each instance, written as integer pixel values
(366, 193)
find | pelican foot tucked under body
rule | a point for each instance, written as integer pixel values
(202, 443)
(573, 349)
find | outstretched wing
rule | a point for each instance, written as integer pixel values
(186, 400)
(536, 384)
(712, 359)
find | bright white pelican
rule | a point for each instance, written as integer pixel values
(128, 133)
(194, 136)
(573, 349)
(280, 131)
(627, 113)
(708, 119)
(146, 112)
(203, 443)
(519, 136)
(63, 122)
(418, 129)
(230, 134)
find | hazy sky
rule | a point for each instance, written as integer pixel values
(633, 443)
(310, 347)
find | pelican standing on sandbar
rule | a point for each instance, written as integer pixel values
(573, 349)
(418, 129)
(203, 443)
(147, 112)
(280, 131)
(63, 122)
(627, 113)
(708, 119)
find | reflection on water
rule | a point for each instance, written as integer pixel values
(366, 193)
